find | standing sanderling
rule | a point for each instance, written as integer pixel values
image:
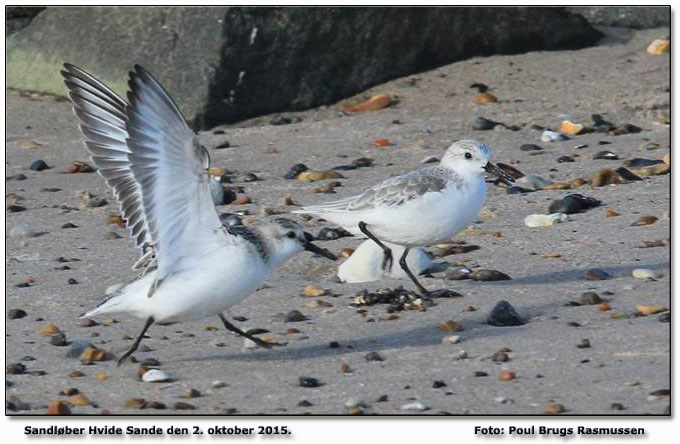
(192, 265)
(419, 208)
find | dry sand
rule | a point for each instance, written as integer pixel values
(628, 359)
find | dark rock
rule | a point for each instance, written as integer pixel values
(483, 124)
(565, 159)
(15, 208)
(518, 190)
(590, 298)
(481, 374)
(295, 170)
(240, 62)
(327, 234)
(438, 384)
(625, 16)
(382, 398)
(573, 203)
(334, 344)
(665, 317)
(305, 403)
(222, 145)
(72, 281)
(626, 128)
(96, 202)
(481, 88)
(16, 313)
(585, 343)
(488, 275)
(16, 368)
(595, 274)
(362, 162)
(504, 315)
(151, 362)
(661, 392)
(638, 162)
(294, 316)
(627, 174)
(374, 356)
(16, 177)
(308, 381)
(180, 405)
(285, 120)
(59, 340)
(605, 155)
(617, 406)
(39, 165)
(573, 324)
(69, 225)
(500, 357)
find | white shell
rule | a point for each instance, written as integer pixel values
(646, 273)
(155, 375)
(552, 136)
(417, 406)
(544, 220)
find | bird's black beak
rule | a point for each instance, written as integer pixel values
(320, 251)
(493, 169)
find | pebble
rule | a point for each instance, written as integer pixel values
(552, 136)
(59, 408)
(218, 384)
(462, 354)
(304, 403)
(345, 368)
(611, 213)
(16, 177)
(111, 235)
(451, 340)
(518, 190)
(156, 375)
(485, 97)
(438, 384)
(38, 165)
(16, 313)
(312, 291)
(413, 406)
(374, 103)
(15, 208)
(666, 317)
(181, 405)
(458, 273)
(596, 274)
(318, 303)
(646, 274)
(483, 124)
(553, 409)
(69, 225)
(585, 343)
(93, 354)
(644, 220)
(285, 120)
(616, 406)
(504, 315)
(605, 155)
(346, 252)
(354, 403)
(308, 381)
(570, 128)
(76, 374)
(136, 403)
(500, 356)
(590, 298)
(16, 368)
(573, 203)
(242, 177)
(49, 330)
(530, 147)
(544, 220)
(650, 309)
(222, 145)
(81, 167)
(59, 340)
(242, 201)
(80, 400)
(606, 176)
(565, 159)
(315, 176)
(479, 374)
(373, 356)
(650, 244)
(452, 326)
(507, 375)
(627, 174)
(294, 316)
(489, 275)
(191, 393)
(659, 47)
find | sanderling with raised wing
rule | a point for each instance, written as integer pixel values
(193, 266)
(419, 208)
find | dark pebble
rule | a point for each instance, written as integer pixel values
(308, 381)
(23, 285)
(488, 275)
(504, 315)
(573, 203)
(604, 142)
(517, 190)
(334, 344)
(537, 127)
(617, 406)
(305, 403)
(661, 392)
(595, 274)
(16, 177)
(362, 162)
(16, 313)
(38, 165)
(530, 147)
(72, 281)
(500, 357)
(16, 208)
(69, 225)
(605, 155)
(481, 87)
(665, 317)
(585, 343)
(285, 120)
(573, 324)
(458, 274)
(374, 356)
(344, 168)
(240, 318)
(627, 174)
(222, 145)
(16, 368)
(151, 362)
(183, 406)
(640, 163)
(294, 316)
(590, 298)
(326, 234)
(626, 128)
(38, 373)
(382, 398)
(157, 405)
(481, 374)
(565, 159)
(59, 340)
(438, 384)
(483, 124)
(77, 347)
(295, 170)
(228, 195)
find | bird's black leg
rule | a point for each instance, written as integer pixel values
(404, 266)
(232, 328)
(137, 341)
(387, 253)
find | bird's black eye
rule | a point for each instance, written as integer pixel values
(291, 235)
(468, 156)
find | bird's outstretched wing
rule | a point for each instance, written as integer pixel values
(155, 164)
(390, 193)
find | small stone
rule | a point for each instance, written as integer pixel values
(294, 316)
(552, 136)
(616, 406)
(69, 225)
(38, 165)
(16, 313)
(504, 315)
(379, 143)
(489, 275)
(191, 393)
(585, 343)
(506, 375)
(554, 409)
(661, 392)
(646, 274)
(136, 403)
(295, 170)
(458, 273)
(484, 98)
(500, 356)
(93, 354)
(80, 400)
(312, 291)
(483, 124)
(451, 340)
(242, 201)
(565, 159)
(308, 381)
(605, 155)
(354, 403)
(556, 186)
(81, 167)
(72, 281)
(544, 220)
(16, 368)
(451, 326)
(595, 274)
(373, 356)
(462, 354)
(59, 408)
(606, 176)
(611, 213)
(650, 309)
(15, 208)
(222, 145)
(659, 47)
(345, 368)
(304, 403)
(156, 375)
(59, 340)
(573, 203)
(650, 244)
(375, 103)
(315, 176)
(438, 384)
(530, 147)
(49, 330)
(77, 347)
(479, 374)
(413, 406)
(644, 220)
(100, 376)
(16, 177)
(76, 374)
(218, 384)
(590, 298)
(570, 128)
(318, 303)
